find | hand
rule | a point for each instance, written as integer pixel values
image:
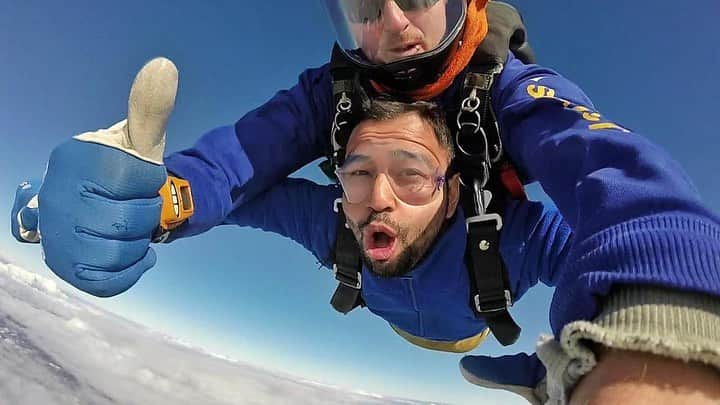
(547, 376)
(617, 376)
(520, 373)
(98, 204)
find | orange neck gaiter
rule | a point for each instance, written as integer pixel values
(476, 28)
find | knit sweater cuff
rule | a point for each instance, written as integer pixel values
(678, 252)
(670, 323)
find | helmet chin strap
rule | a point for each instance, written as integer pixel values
(474, 32)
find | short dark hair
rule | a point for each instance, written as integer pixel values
(381, 109)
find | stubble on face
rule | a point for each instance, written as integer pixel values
(411, 253)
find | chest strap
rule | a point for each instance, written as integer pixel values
(488, 177)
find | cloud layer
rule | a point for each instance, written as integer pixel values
(57, 349)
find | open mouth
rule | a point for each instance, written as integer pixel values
(379, 241)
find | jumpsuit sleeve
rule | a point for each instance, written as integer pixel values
(534, 244)
(230, 165)
(635, 216)
(297, 209)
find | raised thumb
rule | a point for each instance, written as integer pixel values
(151, 101)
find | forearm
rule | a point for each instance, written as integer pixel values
(231, 165)
(297, 209)
(635, 216)
(631, 377)
(534, 244)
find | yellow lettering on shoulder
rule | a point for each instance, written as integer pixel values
(607, 125)
(536, 91)
(587, 113)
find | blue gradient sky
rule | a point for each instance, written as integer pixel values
(66, 67)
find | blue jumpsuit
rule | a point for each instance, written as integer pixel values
(634, 215)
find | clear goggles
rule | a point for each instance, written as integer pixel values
(378, 32)
(412, 180)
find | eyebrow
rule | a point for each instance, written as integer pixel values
(397, 153)
(356, 158)
(413, 156)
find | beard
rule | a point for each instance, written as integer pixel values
(412, 253)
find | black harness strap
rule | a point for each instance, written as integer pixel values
(347, 96)
(347, 267)
(479, 160)
(483, 197)
(347, 262)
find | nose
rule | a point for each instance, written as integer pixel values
(394, 18)
(382, 197)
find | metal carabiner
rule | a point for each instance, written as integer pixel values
(471, 102)
(345, 103)
(482, 201)
(343, 107)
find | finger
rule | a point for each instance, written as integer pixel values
(151, 101)
(108, 284)
(106, 218)
(108, 255)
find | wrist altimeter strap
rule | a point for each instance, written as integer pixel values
(177, 206)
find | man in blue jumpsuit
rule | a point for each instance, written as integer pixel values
(639, 229)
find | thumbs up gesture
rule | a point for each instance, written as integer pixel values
(98, 205)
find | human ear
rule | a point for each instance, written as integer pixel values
(453, 190)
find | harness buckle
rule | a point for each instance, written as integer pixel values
(493, 303)
(484, 218)
(347, 281)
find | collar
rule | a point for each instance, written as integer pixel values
(432, 301)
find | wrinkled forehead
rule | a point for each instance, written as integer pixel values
(404, 137)
(391, 152)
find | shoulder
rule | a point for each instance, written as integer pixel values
(521, 82)
(316, 74)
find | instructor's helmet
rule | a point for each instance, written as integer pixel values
(404, 44)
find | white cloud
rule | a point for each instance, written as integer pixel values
(58, 349)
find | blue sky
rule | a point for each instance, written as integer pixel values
(67, 68)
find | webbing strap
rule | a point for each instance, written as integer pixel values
(480, 160)
(491, 295)
(347, 268)
(347, 101)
